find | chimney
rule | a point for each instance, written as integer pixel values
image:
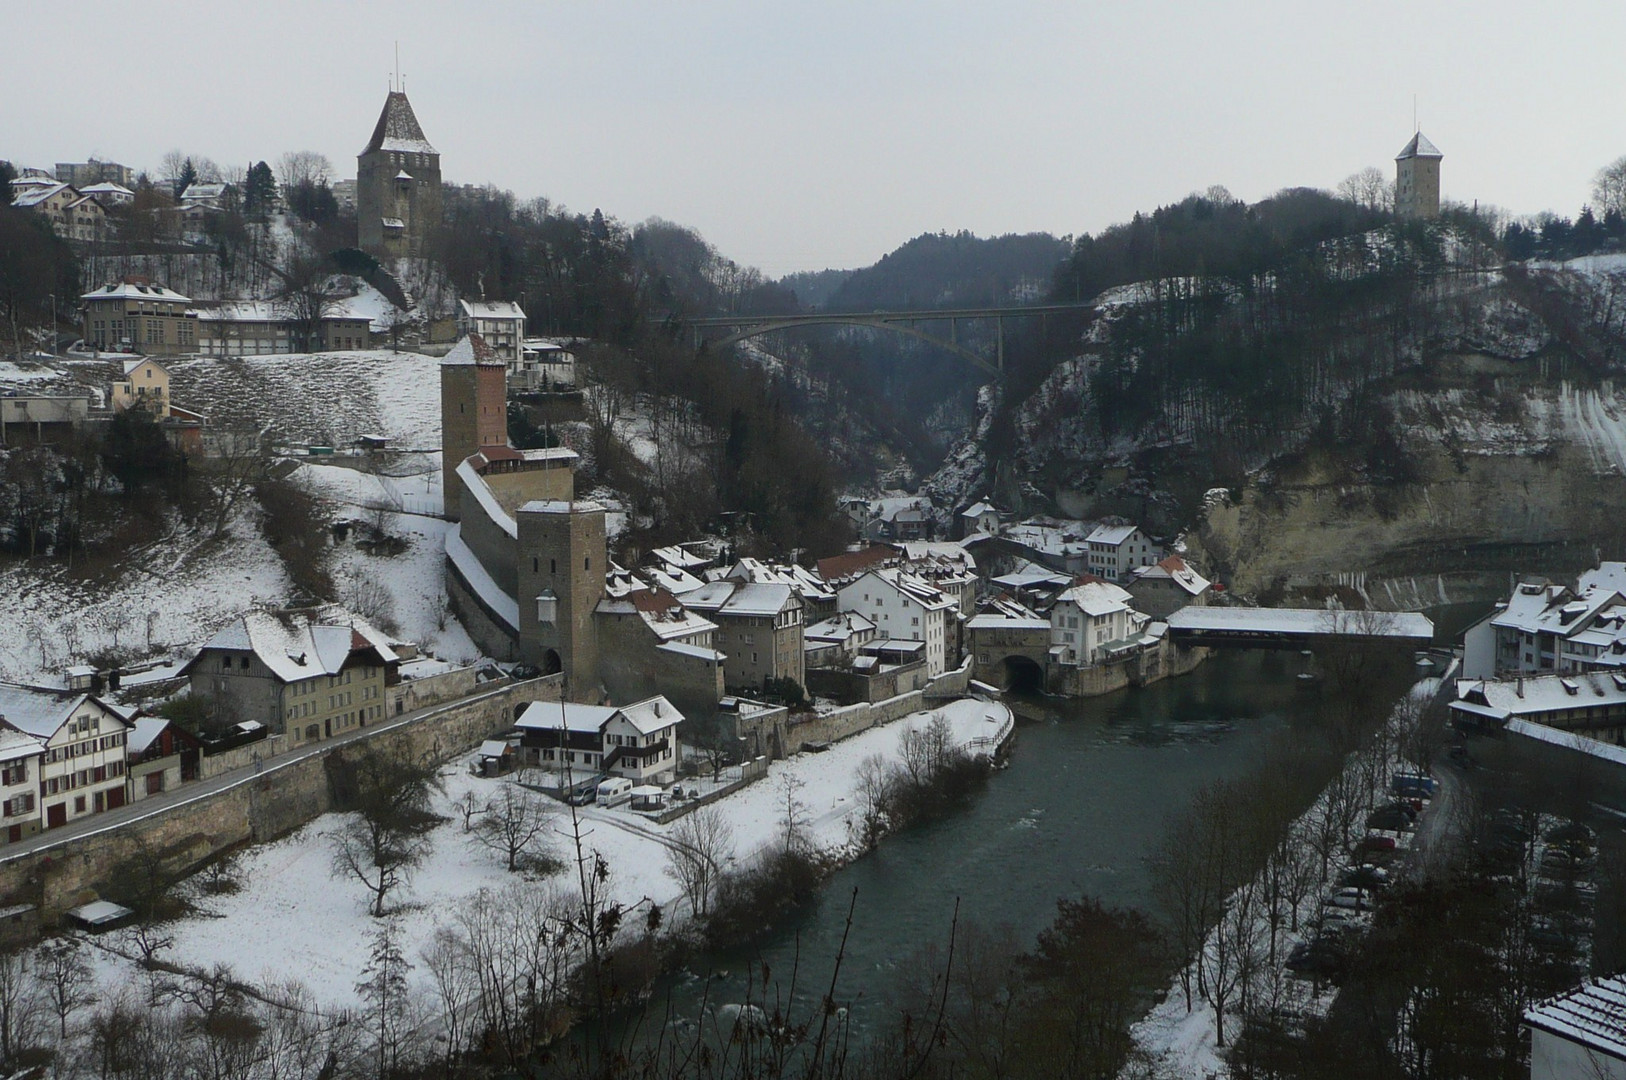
(1518, 687)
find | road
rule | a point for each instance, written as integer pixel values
(154, 805)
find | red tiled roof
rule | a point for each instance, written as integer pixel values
(655, 600)
(849, 563)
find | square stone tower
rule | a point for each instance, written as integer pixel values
(562, 557)
(397, 185)
(473, 411)
(1417, 179)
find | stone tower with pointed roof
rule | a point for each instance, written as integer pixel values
(1417, 179)
(397, 185)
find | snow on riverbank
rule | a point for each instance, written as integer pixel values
(1186, 1043)
(294, 919)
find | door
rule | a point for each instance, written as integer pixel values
(56, 814)
(155, 783)
(115, 798)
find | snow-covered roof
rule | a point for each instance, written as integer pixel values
(996, 621)
(837, 628)
(1174, 569)
(550, 715)
(106, 187)
(1419, 147)
(978, 509)
(476, 485)
(680, 557)
(699, 652)
(242, 311)
(41, 713)
(491, 309)
(33, 196)
(1538, 695)
(1408, 625)
(398, 129)
(146, 732)
(668, 619)
(484, 585)
(392, 223)
(559, 506)
(470, 349)
(202, 193)
(651, 715)
(17, 744)
(494, 748)
(1110, 534)
(1030, 577)
(755, 599)
(1593, 1015)
(915, 588)
(130, 290)
(1097, 598)
(299, 646)
(677, 581)
(403, 175)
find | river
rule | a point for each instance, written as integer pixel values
(1089, 794)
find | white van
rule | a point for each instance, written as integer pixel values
(614, 791)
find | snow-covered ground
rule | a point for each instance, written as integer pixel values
(168, 595)
(294, 919)
(1186, 1043)
(406, 593)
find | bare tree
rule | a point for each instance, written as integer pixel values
(701, 844)
(240, 460)
(794, 822)
(69, 984)
(383, 988)
(1369, 188)
(386, 838)
(1609, 187)
(297, 168)
(20, 1004)
(307, 295)
(513, 824)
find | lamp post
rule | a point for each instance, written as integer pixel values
(53, 324)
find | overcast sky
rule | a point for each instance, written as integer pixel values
(800, 136)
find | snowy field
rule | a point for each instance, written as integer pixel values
(168, 595)
(294, 919)
(405, 593)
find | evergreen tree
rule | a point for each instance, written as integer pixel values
(259, 189)
(188, 177)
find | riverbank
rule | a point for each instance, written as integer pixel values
(292, 918)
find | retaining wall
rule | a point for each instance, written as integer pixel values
(281, 797)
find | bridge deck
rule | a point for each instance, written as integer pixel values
(1201, 624)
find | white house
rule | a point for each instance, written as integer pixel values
(1580, 1035)
(638, 741)
(908, 608)
(20, 755)
(981, 516)
(501, 323)
(1090, 621)
(1545, 627)
(1116, 550)
(82, 767)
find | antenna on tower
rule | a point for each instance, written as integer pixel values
(395, 78)
(1415, 126)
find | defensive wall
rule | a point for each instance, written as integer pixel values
(262, 805)
(807, 729)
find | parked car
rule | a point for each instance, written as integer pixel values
(1350, 897)
(584, 793)
(1571, 832)
(1410, 807)
(1391, 820)
(1365, 876)
(1372, 842)
(1413, 785)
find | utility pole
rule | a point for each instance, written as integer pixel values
(53, 325)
